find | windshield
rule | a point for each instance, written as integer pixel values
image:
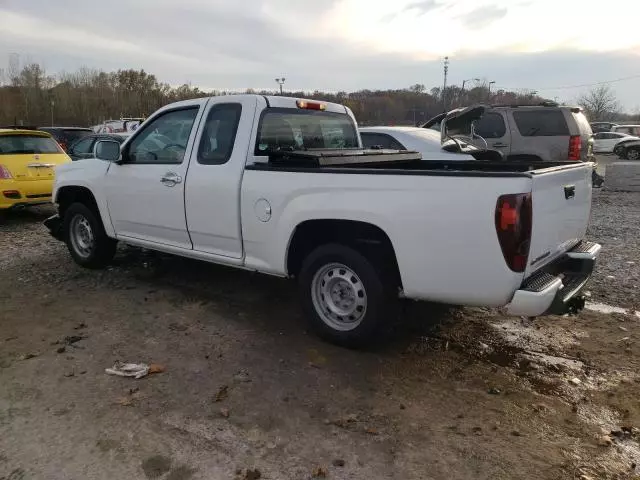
(17, 144)
(288, 129)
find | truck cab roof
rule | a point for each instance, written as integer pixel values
(272, 101)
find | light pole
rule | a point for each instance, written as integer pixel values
(280, 81)
(444, 86)
(469, 80)
(52, 105)
(490, 83)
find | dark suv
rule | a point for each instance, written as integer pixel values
(65, 136)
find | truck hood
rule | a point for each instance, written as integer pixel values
(82, 165)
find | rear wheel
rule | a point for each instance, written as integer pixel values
(633, 153)
(347, 300)
(85, 237)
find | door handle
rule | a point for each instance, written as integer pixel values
(499, 145)
(171, 179)
(569, 191)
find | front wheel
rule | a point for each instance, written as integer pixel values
(633, 153)
(347, 300)
(85, 237)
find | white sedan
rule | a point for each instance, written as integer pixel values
(605, 142)
(423, 140)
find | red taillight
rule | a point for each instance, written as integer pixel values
(513, 226)
(5, 174)
(575, 148)
(310, 105)
(12, 194)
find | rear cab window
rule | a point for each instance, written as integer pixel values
(541, 123)
(28, 144)
(287, 129)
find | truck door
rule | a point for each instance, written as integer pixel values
(212, 195)
(145, 193)
(493, 128)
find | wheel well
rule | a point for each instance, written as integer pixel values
(68, 195)
(368, 239)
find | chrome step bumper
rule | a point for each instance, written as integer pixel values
(556, 289)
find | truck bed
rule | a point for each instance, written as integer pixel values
(394, 164)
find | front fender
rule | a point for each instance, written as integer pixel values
(87, 174)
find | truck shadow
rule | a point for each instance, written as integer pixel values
(265, 302)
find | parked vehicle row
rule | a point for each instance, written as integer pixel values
(622, 140)
(282, 186)
(606, 142)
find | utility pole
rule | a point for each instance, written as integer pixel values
(280, 81)
(444, 87)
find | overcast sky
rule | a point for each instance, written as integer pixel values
(337, 44)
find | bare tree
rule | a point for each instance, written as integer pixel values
(600, 103)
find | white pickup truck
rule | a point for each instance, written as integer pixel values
(281, 186)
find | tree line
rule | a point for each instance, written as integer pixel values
(30, 96)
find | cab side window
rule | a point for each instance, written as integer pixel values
(164, 139)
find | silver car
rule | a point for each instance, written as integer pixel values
(546, 132)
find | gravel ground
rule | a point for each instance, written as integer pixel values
(457, 393)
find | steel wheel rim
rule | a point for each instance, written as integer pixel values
(633, 154)
(81, 235)
(339, 297)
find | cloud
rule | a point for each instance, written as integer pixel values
(482, 17)
(423, 6)
(328, 45)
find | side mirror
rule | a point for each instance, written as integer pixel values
(108, 150)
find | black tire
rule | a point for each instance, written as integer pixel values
(103, 248)
(380, 294)
(633, 153)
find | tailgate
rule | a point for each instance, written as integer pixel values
(32, 166)
(561, 209)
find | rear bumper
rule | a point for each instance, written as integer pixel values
(19, 194)
(556, 289)
(54, 225)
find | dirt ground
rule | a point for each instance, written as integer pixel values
(461, 393)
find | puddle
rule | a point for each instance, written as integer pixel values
(604, 308)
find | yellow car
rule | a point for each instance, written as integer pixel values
(27, 161)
